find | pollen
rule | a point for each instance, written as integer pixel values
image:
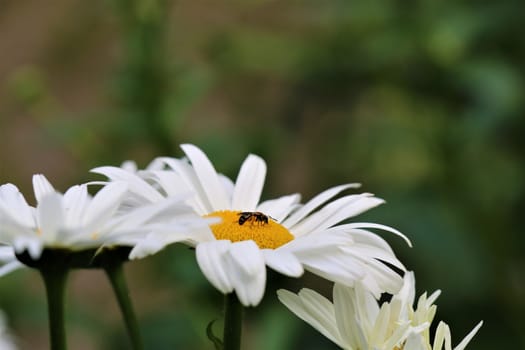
(267, 235)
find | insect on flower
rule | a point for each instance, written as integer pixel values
(256, 216)
(246, 240)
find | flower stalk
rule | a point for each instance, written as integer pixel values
(233, 311)
(115, 271)
(53, 265)
(55, 275)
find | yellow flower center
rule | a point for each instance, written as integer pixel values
(239, 226)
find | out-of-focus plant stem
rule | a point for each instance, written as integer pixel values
(143, 79)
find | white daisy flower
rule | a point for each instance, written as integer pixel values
(77, 221)
(281, 233)
(355, 321)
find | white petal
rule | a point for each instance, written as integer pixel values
(6, 254)
(364, 237)
(76, 199)
(195, 235)
(182, 168)
(149, 245)
(50, 214)
(373, 253)
(211, 257)
(315, 310)
(161, 223)
(283, 261)
(381, 227)
(407, 337)
(8, 192)
(33, 245)
(13, 204)
(332, 254)
(432, 298)
(382, 322)
(249, 184)
(315, 202)
(155, 164)
(331, 263)
(169, 181)
(379, 278)
(366, 304)
(9, 229)
(469, 337)
(158, 239)
(319, 240)
(406, 296)
(129, 165)
(247, 272)
(208, 177)
(415, 341)
(442, 336)
(41, 186)
(105, 204)
(10, 267)
(281, 207)
(8, 260)
(159, 213)
(228, 185)
(346, 313)
(137, 185)
(335, 212)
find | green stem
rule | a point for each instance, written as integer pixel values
(233, 310)
(144, 63)
(115, 271)
(55, 280)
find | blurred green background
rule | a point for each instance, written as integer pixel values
(421, 101)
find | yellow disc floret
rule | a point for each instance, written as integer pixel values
(239, 226)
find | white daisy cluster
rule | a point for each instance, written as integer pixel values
(355, 320)
(236, 235)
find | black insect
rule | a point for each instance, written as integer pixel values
(256, 216)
